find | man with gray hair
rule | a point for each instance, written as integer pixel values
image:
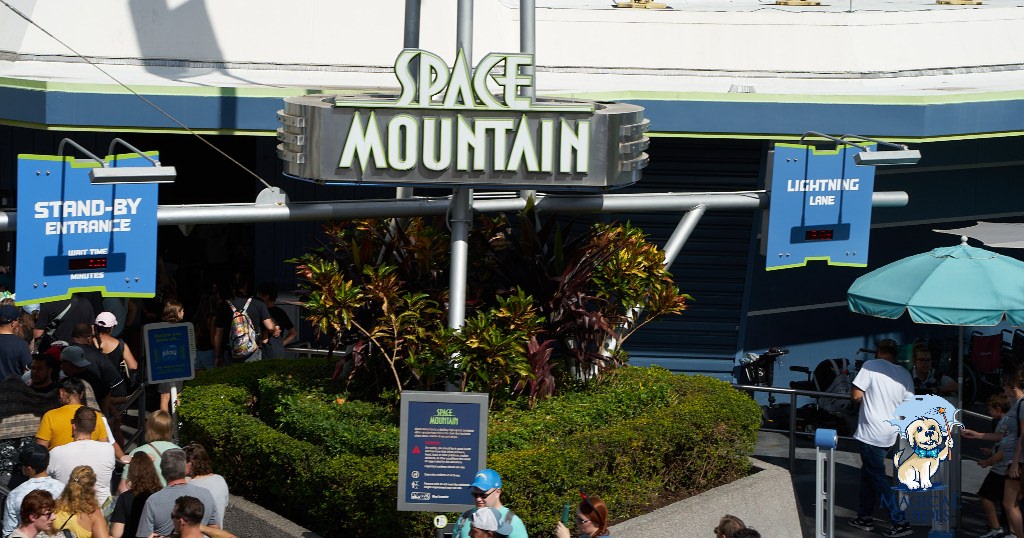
(156, 514)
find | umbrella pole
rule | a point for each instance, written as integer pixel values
(957, 459)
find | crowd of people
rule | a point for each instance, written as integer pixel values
(67, 374)
(77, 502)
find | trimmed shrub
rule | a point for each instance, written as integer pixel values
(641, 432)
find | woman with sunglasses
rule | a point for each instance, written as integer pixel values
(591, 520)
(36, 514)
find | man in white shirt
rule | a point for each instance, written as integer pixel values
(34, 461)
(84, 451)
(880, 386)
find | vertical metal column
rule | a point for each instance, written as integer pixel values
(528, 44)
(411, 41)
(460, 219)
(462, 197)
(824, 482)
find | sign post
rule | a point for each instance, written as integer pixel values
(170, 353)
(443, 444)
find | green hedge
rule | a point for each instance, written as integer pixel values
(333, 467)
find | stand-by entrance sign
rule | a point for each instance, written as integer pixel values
(170, 351)
(443, 445)
(76, 236)
(820, 207)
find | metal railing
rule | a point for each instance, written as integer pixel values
(794, 393)
(137, 397)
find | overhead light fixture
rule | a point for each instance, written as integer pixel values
(901, 155)
(866, 157)
(878, 158)
(106, 175)
(132, 174)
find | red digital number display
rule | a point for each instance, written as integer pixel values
(818, 235)
(87, 264)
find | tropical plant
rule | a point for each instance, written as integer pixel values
(543, 310)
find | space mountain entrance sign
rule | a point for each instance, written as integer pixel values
(445, 127)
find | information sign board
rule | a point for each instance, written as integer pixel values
(170, 351)
(443, 445)
(76, 236)
(820, 207)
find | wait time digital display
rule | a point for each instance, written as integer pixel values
(77, 266)
(87, 264)
(819, 233)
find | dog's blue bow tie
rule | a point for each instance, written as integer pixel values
(933, 453)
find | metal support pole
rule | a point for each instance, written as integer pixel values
(412, 26)
(464, 39)
(461, 217)
(956, 478)
(528, 45)
(461, 208)
(286, 211)
(682, 233)
(824, 482)
(792, 431)
(411, 41)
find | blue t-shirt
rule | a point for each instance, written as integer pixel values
(14, 355)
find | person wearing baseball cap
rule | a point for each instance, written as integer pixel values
(486, 492)
(15, 355)
(114, 348)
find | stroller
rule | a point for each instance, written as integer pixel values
(832, 376)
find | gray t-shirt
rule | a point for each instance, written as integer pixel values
(218, 488)
(156, 515)
(1008, 443)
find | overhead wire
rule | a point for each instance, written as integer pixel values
(137, 94)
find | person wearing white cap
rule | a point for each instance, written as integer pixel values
(114, 348)
(486, 491)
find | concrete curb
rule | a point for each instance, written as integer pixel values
(248, 520)
(764, 500)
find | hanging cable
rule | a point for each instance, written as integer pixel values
(136, 94)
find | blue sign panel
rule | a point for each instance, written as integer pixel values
(443, 445)
(820, 207)
(75, 236)
(170, 351)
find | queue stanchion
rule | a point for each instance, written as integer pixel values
(824, 482)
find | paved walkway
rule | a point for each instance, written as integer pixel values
(774, 448)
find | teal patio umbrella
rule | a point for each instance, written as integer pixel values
(961, 285)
